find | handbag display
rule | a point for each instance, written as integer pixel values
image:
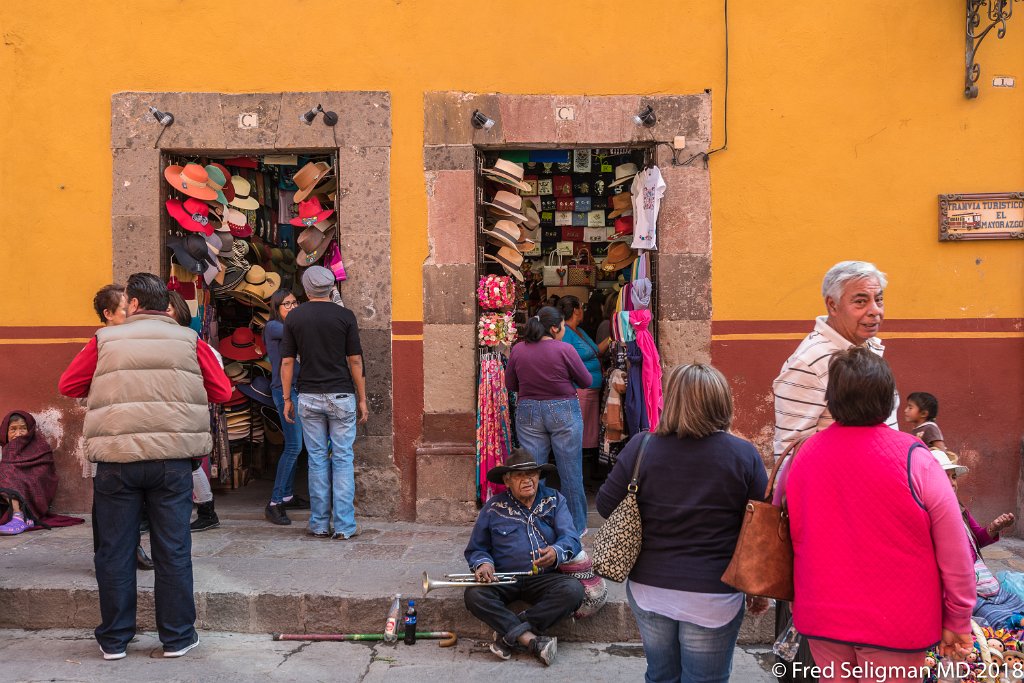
(762, 563)
(333, 260)
(554, 272)
(617, 542)
(583, 272)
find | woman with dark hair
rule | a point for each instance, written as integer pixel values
(590, 353)
(281, 304)
(694, 483)
(870, 509)
(545, 371)
(178, 309)
(28, 476)
(110, 304)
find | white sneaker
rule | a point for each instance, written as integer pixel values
(109, 656)
(184, 650)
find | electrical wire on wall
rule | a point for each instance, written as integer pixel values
(725, 141)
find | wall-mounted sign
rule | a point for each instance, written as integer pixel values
(248, 119)
(992, 216)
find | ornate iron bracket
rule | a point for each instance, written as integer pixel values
(997, 12)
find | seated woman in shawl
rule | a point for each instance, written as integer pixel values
(28, 476)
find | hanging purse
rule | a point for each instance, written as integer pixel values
(332, 258)
(583, 272)
(554, 272)
(762, 563)
(617, 542)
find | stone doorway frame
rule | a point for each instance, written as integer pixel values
(209, 122)
(445, 458)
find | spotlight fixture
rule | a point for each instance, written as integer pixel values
(481, 120)
(330, 118)
(646, 117)
(163, 118)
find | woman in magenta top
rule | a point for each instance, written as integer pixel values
(545, 372)
(881, 569)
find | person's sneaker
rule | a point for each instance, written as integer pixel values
(500, 649)
(544, 649)
(184, 650)
(109, 656)
(319, 534)
(275, 514)
(297, 503)
(206, 518)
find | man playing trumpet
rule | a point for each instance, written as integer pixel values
(527, 528)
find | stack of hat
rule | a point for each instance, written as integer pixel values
(513, 223)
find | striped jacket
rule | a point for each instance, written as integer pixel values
(799, 389)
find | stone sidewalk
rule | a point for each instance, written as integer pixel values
(254, 577)
(72, 655)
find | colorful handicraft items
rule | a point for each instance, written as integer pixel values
(495, 292)
(496, 328)
(493, 434)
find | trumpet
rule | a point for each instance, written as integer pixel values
(468, 580)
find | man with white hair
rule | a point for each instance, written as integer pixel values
(853, 293)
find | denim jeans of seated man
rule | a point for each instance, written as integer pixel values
(120, 490)
(284, 480)
(329, 424)
(681, 651)
(546, 426)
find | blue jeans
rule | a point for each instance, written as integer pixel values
(329, 421)
(557, 426)
(119, 492)
(684, 652)
(284, 481)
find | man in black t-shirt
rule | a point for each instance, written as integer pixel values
(331, 400)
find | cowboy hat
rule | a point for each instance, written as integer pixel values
(216, 181)
(313, 243)
(622, 205)
(530, 211)
(519, 461)
(237, 398)
(307, 177)
(242, 199)
(190, 179)
(229, 278)
(258, 390)
(504, 232)
(259, 282)
(507, 173)
(310, 213)
(510, 259)
(619, 256)
(242, 344)
(283, 259)
(192, 252)
(508, 204)
(947, 464)
(227, 242)
(192, 215)
(623, 172)
(247, 297)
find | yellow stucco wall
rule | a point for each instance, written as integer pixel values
(846, 120)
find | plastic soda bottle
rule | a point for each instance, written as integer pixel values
(391, 625)
(410, 623)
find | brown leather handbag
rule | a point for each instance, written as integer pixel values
(762, 563)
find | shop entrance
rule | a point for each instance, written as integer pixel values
(257, 243)
(555, 228)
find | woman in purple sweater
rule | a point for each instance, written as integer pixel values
(694, 483)
(545, 372)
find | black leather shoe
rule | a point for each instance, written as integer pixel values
(296, 503)
(275, 514)
(142, 560)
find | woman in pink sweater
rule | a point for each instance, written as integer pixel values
(881, 570)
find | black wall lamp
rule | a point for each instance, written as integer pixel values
(646, 117)
(998, 12)
(481, 121)
(163, 118)
(330, 118)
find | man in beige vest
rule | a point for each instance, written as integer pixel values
(149, 383)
